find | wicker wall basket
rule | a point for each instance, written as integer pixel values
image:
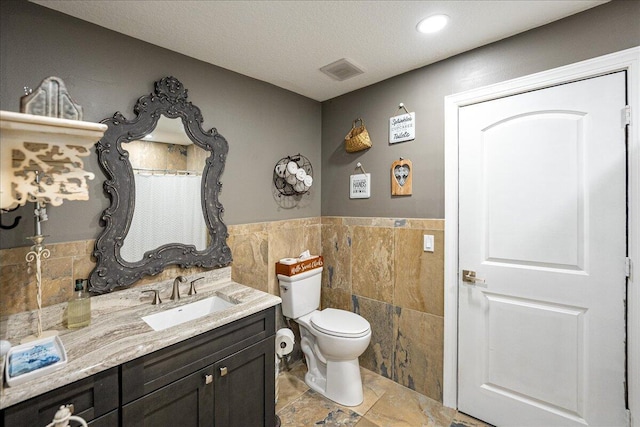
(358, 138)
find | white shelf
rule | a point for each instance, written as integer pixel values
(63, 165)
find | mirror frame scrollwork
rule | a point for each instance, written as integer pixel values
(169, 99)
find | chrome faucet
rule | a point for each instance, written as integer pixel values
(175, 293)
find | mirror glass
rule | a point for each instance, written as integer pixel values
(163, 177)
(167, 168)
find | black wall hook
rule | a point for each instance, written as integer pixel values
(16, 220)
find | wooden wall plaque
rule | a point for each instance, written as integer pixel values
(401, 177)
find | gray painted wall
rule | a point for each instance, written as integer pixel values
(598, 31)
(106, 72)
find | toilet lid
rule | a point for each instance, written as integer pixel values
(340, 323)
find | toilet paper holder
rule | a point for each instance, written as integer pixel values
(285, 339)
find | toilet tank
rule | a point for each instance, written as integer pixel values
(300, 293)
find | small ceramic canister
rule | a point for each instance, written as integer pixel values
(281, 170)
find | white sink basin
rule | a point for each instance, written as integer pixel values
(186, 313)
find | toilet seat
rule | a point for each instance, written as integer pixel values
(340, 323)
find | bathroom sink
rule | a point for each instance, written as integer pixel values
(186, 313)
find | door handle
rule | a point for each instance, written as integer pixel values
(208, 379)
(469, 276)
(223, 371)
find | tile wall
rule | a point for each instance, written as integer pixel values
(377, 267)
(373, 266)
(68, 261)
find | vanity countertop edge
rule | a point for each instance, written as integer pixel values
(117, 334)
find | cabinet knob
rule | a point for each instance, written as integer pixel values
(223, 371)
(208, 379)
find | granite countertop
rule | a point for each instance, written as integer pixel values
(117, 333)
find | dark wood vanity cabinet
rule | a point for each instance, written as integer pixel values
(244, 387)
(95, 399)
(186, 402)
(236, 391)
(223, 378)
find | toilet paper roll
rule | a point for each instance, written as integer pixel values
(292, 168)
(284, 341)
(308, 181)
(301, 175)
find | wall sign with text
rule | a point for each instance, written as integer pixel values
(360, 186)
(402, 128)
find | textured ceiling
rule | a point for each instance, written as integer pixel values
(285, 43)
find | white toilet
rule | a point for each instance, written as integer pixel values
(331, 339)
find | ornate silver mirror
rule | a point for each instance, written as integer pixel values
(164, 148)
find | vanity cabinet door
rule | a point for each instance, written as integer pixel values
(107, 420)
(148, 373)
(92, 398)
(186, 403)
(244, 387)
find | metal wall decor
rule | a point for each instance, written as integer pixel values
(50, 99)
(169, 99)
(293, 175)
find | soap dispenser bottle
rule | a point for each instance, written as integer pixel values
(79, 309)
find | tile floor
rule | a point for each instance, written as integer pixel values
(386, 404)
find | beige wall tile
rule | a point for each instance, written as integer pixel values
(247, 228)
(372, 269)
(336, 251)
(378, 269)
(368, 222)
(289, 239)
(336, 220)
(336, 298)
(82, 267)
(250, 259)
(429, 224)
(176, 157)
(419, 275)
(57, 280)
(419, 341)
(378, 357)
(17, 289)
(14, 255)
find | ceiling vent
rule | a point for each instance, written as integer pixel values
(341, 70)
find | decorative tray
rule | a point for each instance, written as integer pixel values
(34, 359)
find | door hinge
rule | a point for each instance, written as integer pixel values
(626, 115)
(627, 267)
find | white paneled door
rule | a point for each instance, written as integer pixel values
(542, 214)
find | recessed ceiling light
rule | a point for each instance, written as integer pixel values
(432, 24)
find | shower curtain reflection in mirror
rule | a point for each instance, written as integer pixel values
(167, 210)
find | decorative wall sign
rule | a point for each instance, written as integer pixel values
(50, 99)
(360, 186)
(401, 177)
(402, 128)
